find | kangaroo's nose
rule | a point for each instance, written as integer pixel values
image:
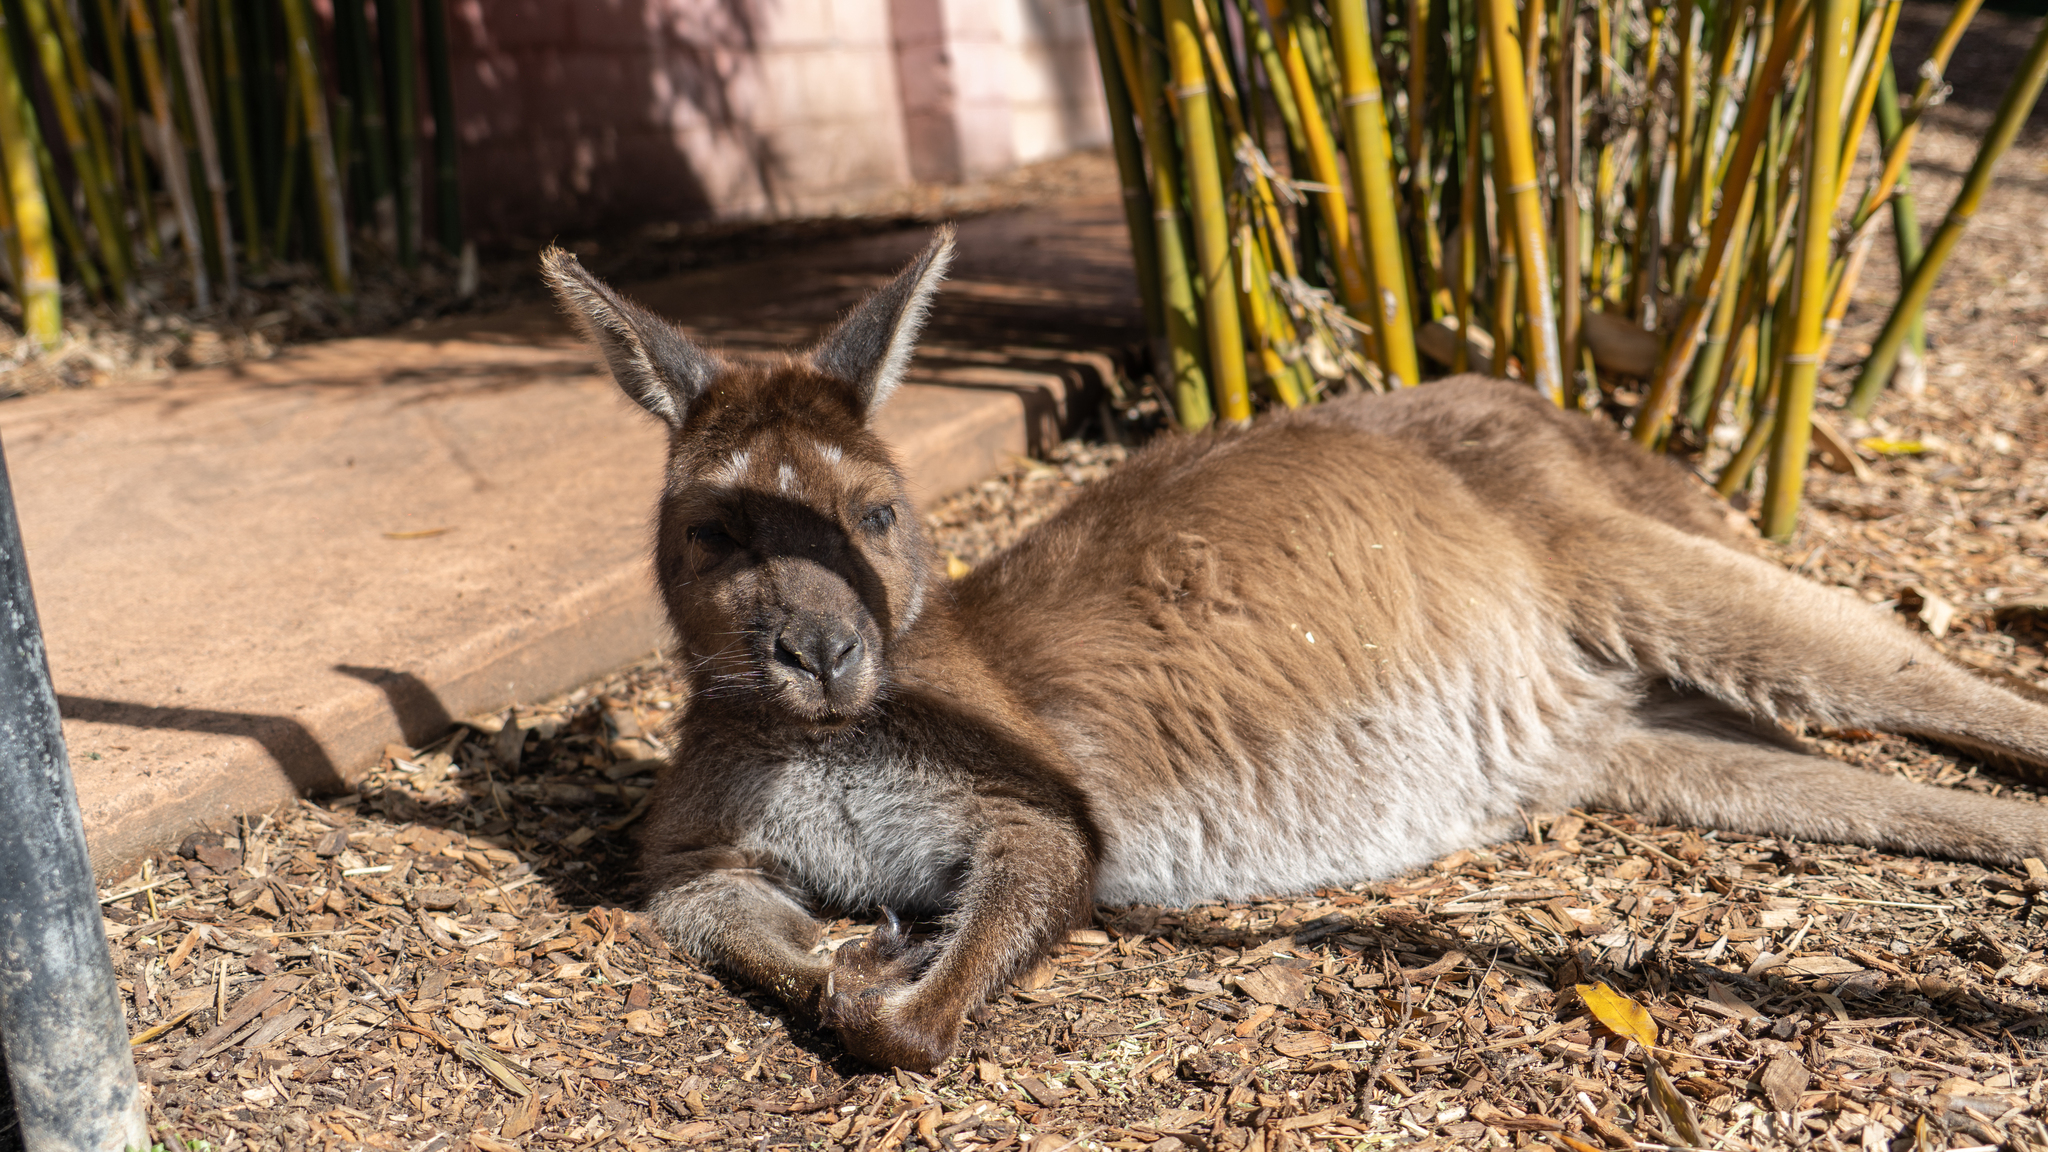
(823, 650)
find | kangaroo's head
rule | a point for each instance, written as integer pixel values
(786, 549)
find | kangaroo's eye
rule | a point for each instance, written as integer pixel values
(711, 537)
(879, 518)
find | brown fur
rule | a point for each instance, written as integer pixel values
(1331, 646)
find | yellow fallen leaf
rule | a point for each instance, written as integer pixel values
(1621, 1014)
(956, 567)
(1884, 447)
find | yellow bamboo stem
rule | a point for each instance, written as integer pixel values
(36, 287)
(320, 143)
(1676, 360)
(78, 120)
(1523, 197)
(1931, 73)
(1334, 209)
(1212, 227)
(1834, 37)
(1366, 142)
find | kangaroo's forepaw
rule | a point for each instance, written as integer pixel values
(867, 1002)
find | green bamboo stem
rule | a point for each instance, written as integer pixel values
(1366, 144)
(1422, 194)
(68, 229)
(209, 149)
(74, 114)
(10, 239)
(1675, 363)
(1905, 209)
(169, 148)
(104, 167)
(1352, 287)
(1834, 39)
(1566, 92)
(357, 65)
(2012, 114)
(1187, 374)
(441, 90)
(1137, 200)
(1923, 98)
(293, 146)
(1223, 329)
(398, 38)
(36, 283)
(1708, 378)
(1511, 123)
(326, 176)
(129, 117)
(236, 93)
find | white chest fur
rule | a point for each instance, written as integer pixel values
(861, 822)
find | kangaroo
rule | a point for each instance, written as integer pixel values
(1325, 648)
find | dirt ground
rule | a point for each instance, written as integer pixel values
(447, 959)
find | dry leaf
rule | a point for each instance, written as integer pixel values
(1724, 997)
(956, 567)
(1676, 1109)
(1622, 1015)
(485, 1142)
(1834, 450)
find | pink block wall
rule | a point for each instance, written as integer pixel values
(577, 115)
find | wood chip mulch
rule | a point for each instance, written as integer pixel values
(446, 959)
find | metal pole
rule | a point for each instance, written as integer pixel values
(61, 1033)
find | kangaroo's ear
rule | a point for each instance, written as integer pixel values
(650, 358)
(871, 348)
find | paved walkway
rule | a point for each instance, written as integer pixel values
(252, 579)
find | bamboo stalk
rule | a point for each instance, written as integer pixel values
(326, 177)
(163, 136)
(1137, 201)
(441, 90)
(1511, 123)
(1905, 209)
(1676, 361)
(2012, 114)
(1366, 143)
(209, 149)
(1923, 98)
(1188, 377)
(132, 132)
(1335, 211)
(63, 70)
(398, 38)
(1566, 90)
(236, 93)
(61, 215)
(1834, 38)
(36, 283)
(1205, 193)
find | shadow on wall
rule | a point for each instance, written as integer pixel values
(595, 114)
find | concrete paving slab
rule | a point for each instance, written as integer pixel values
(252, 579)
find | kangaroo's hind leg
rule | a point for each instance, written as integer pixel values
(1690, 759)
(1766, 642)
